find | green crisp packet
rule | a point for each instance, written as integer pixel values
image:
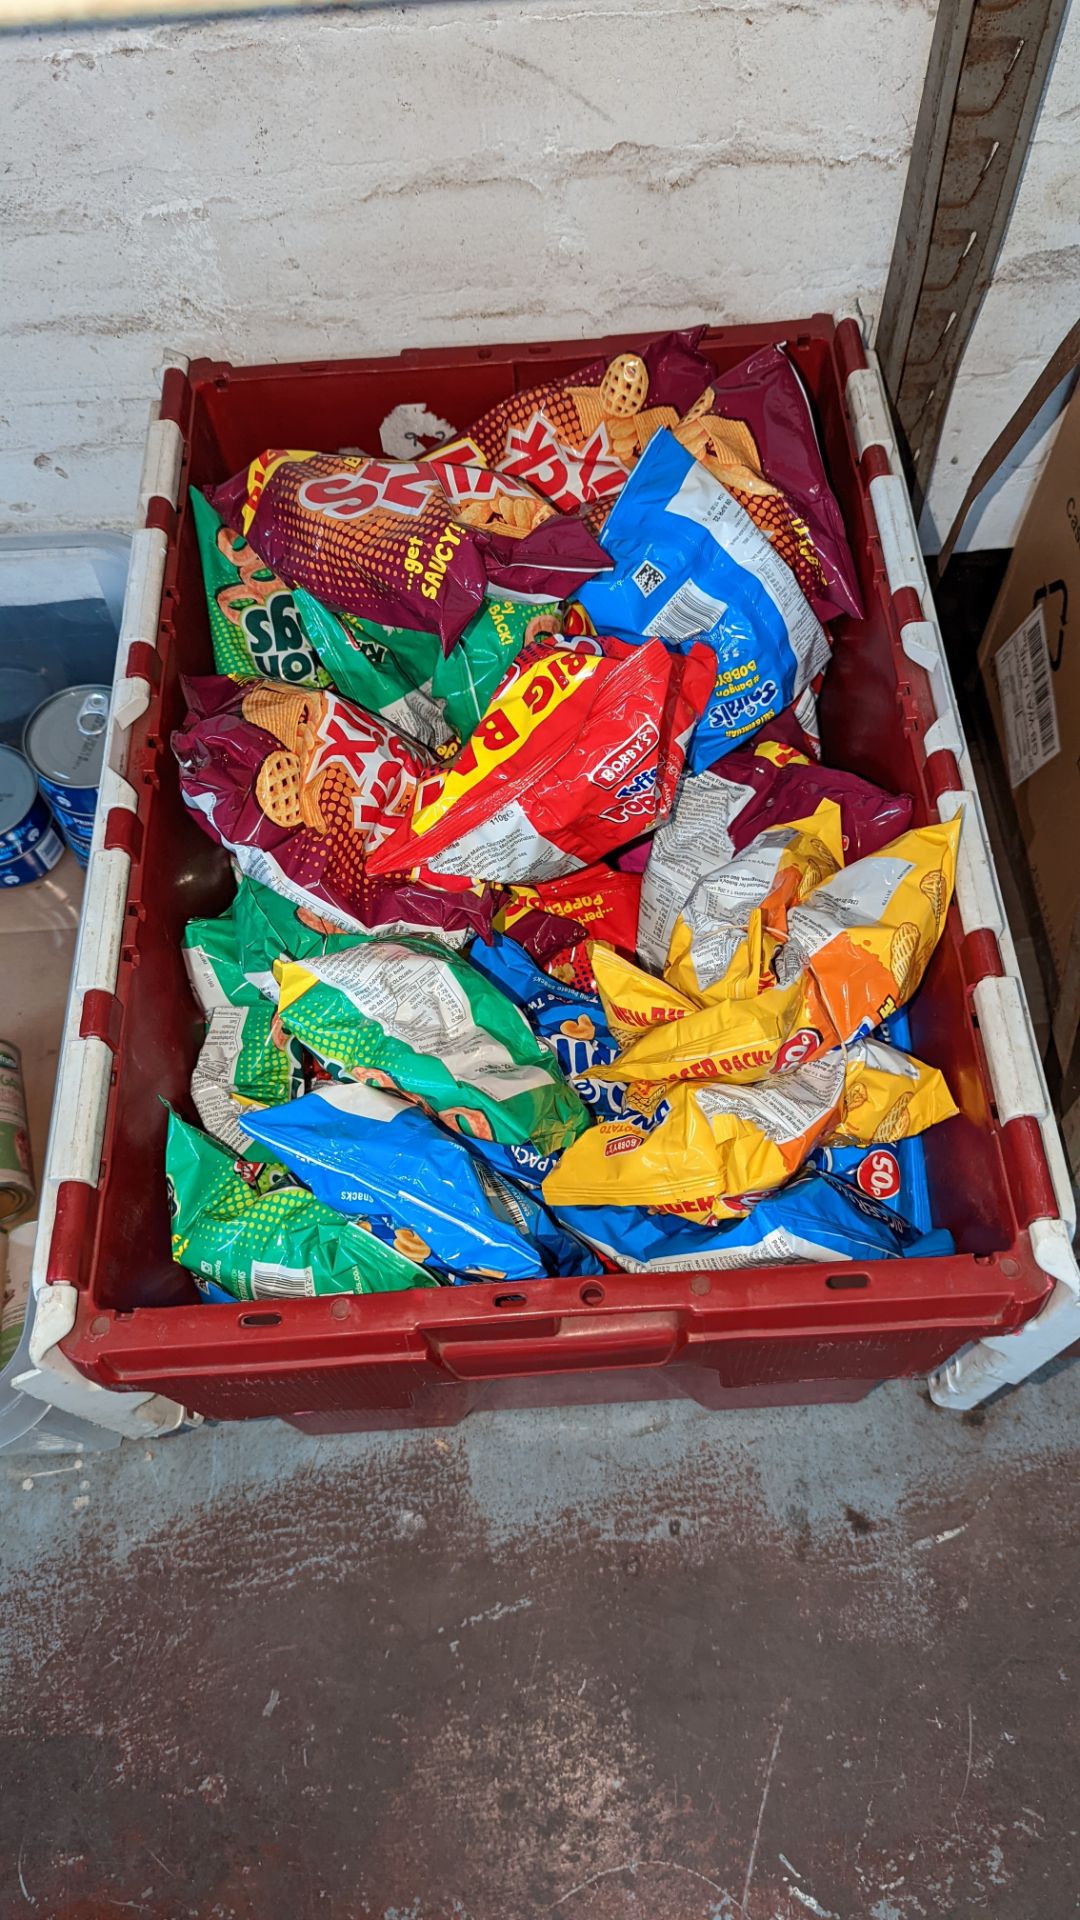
(409, 1013)
(230, 960)
(255, 628)
(405, 676)
(261, 1236)
(246, 1060)
(386, 670)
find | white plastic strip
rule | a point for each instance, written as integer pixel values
(162, 460)
(80, 1102)
(870, 423)
(899, 540)
(1012, 1055)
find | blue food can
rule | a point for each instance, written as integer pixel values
(64, 742)
(29, 843)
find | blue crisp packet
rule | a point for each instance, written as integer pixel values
(369, 1153)
(815, 1217)
(895, 1174)
(689, 564)
(571, 1021)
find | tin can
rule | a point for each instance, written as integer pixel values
(29, 843)
(16, 1172)
(64, 742)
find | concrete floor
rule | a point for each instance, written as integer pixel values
(642, 1661)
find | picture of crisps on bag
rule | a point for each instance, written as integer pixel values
(256, 628)
(856, 949)
(300, 784)
(409, 543)
(574, 440)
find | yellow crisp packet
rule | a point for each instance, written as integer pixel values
(856, 950)
(721, 1146)
(744, 905)
(888, 1096)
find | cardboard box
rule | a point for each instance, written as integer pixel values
(1030, 662)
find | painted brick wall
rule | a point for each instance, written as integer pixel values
(267, 188)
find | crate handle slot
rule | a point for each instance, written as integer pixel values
(580, 1340)
(842, 1280)
(259, 1320)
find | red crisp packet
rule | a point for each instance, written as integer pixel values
(602, 902)
(300, 785)
(555, 920)
(408, 543)
(579, 751)
(575, 439)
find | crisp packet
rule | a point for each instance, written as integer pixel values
(762, 883)
(579, 751)
(211, 951)
(601, 904)
(256, 629)
(757, 416)
(815, 1217)
(410, 1014)
(385, 670)
(570, 1022)
(574, 439)
(856, 949)
(756, 1136)
(688, 562)
(300, 784)
(437, 698)
(260, 1236)
(362, 1150)
(719, 811)
(246, 1061)
(411, 543)
(895, 1173)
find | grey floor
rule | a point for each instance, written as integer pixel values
(642, 1661)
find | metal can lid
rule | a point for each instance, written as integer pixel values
(18, 789)
(65, 738)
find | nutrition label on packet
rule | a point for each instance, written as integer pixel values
(1028, 708)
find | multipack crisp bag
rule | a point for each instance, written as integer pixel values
(300, 785)
(579, 751)
(245, 1062)
(256, 1233)
(574, 439)
(771, 780)
(211, 951)
(856, 950)
(365, 1151)
(256, 628)
(759, 886)
(438, 698)
(891, 1166)
(690, 564)
(759, 1135)
(813, 1218)
(411, 543)
(413, 1016)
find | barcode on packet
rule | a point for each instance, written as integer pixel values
(688, 612)
(1028, 708)
(270, 1282)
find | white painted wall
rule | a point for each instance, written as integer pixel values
(1034, 300)
(268, 188)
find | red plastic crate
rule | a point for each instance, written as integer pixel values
(789, 1333)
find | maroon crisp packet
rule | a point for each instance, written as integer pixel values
(409, 543)
(767, 394)
(298, 783)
